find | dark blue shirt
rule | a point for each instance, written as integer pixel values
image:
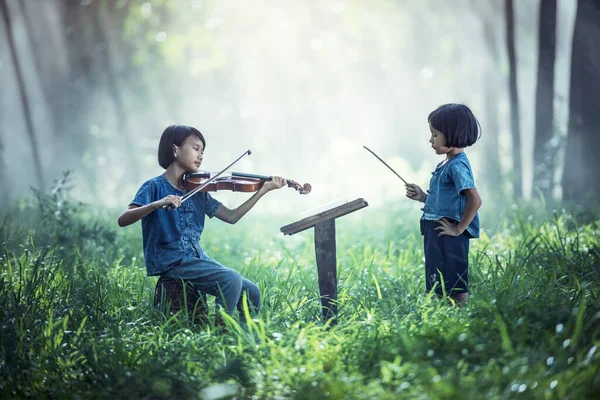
(171, 235)
(445, 197)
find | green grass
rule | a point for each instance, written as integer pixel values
(77, 319)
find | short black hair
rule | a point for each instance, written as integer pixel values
(175, 135)
(457, 123)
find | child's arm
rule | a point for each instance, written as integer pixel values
(233, 216)
(414, 192)
(134, 212)
(473, 204)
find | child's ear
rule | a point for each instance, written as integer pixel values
(175, 150)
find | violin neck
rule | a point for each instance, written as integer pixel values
(253, 176)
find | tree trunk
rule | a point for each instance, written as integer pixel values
(544, 150)
(4, 185)
(514, 100)
(581, 176)
(44, 33)
(493, 170)
(23, 98)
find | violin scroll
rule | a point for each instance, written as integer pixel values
(302, 189)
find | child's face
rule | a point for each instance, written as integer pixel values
(438, 141)
(189, 156)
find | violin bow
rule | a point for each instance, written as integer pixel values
(199, 188)
(384, 163)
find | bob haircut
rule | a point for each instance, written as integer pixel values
(175, 135)
(457, 123)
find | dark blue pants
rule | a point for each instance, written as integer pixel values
(226, 284)
(446, 260)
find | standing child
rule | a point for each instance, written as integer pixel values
(171, 236)
(450, 215)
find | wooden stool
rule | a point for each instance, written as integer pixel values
(169, 298)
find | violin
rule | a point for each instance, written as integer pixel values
(236, 182)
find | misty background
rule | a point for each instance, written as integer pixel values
(88, 86)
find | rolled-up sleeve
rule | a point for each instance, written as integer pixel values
(145, 195)
(462, 176)
(211, 205)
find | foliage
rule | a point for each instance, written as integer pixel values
(77, 319)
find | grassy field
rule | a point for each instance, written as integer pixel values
(77, 319)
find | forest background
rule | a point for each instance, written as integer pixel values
(87, 87)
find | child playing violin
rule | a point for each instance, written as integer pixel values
(171, 229)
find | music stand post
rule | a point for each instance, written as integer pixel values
(325, 250)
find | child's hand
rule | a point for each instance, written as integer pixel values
(276, 182)
(448, 228)
(170, 200)
(414, 192)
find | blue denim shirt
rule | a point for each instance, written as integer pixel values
(171, 235)
(444, 197)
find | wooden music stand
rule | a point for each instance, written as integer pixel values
(324, 223)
